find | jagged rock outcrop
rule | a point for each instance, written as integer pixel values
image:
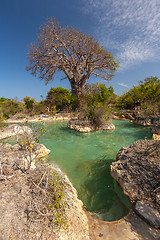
(13, 130)
(41, 203)
(31, 207)
(147, 121)
(37, 200)
(13, 158)
(84, 126)
(137, 170)
(156, 132)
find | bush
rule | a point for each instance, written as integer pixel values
(5, 116)
(148, 94)
(48, 205)
(94, 105)
(2, 123)
(59, 97)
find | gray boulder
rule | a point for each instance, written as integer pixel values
(149, 214)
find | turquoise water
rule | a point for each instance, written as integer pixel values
(86, 158)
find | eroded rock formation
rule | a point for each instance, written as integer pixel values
(137, 170)
(84, 126)
(38, 203)
(13, 130)
(147, 121)
(156, 132)
(41, 203)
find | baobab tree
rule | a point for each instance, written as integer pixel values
(72, 52)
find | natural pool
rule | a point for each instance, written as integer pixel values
(86, 158)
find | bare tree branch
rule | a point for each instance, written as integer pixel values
(76, 54)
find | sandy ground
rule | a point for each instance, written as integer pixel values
(38, 119)
(129, 228)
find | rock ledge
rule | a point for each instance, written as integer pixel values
(83, 126)
(137, 170)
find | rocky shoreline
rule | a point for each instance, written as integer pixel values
(137, 170)
(147, 121)
(83, 126)
(156, 132)
(13, 130)
(41, 118)
(26, 183)
(73, 122)
(24, 210)
(22, 188)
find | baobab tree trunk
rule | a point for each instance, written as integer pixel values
(77, 88)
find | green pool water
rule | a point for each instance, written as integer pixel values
(86, 159)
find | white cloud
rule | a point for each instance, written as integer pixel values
(123, 85)
(129, 28)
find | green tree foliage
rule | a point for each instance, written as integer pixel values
(59, 97)
(94, 107)
(12, 107)
(39, 108)
(33, 107)
(29, 102)
(98, 92)
(9, 107)
(3, 100)
(147, 92)
(72, 52)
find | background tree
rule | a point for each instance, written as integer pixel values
(98, 92)
(147, 92)
(76, 54)
(9, 107)
(59, 97)
(29, 103)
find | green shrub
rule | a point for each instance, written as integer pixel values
(49, 192)
(94, 106)
(5, 115)
(148, 94)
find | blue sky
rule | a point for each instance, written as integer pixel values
(129, 29)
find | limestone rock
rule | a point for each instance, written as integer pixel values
(13, 158)
(150, 214)
(84, 126)
(137, 170)
(79, 126)
(41, 151)
(20, 216)
(156, 132)
(147, 121)
(13, 130)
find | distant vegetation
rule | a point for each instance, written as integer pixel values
(96, 104)
(147, 93)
